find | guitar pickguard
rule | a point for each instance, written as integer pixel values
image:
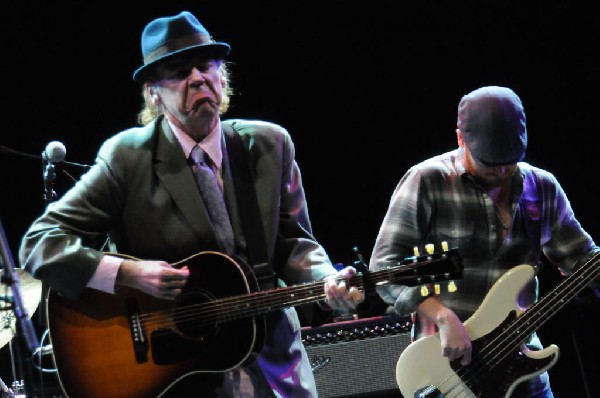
(494, 374)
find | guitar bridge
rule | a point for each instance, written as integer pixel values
(138, 333)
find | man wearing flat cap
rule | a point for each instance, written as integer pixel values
(500, 212)
(197, 210)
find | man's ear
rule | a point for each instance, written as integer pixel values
(152, 93)
(459, 138)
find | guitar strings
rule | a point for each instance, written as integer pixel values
(213, 310)
(475, 376)
(527, 323)
(237, 307)
(232, 308)
(506, 342)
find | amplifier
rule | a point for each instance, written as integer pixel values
(357, 358)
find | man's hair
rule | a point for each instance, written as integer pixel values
(151, 110)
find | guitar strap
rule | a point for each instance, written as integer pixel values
(531, 217)
(245, 193)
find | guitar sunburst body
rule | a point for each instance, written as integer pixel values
(100, 351)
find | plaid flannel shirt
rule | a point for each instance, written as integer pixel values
(438, 200)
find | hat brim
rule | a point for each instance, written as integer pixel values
(217, 50)
(498, 163)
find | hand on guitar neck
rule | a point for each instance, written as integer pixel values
(340, 297)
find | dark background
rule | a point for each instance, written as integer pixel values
(365, 90)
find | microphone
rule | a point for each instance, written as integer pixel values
(54, 152)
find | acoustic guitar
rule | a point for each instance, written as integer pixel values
(133, 345)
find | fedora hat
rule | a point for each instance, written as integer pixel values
(166, 37)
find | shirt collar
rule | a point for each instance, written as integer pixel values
(211, 144)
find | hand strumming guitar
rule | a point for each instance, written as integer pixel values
(454, 339)
(156, 278)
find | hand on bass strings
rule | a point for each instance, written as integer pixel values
(454, 339)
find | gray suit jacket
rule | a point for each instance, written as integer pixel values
(141, 192)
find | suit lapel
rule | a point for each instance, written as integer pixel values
(177, 177)
(230, 196)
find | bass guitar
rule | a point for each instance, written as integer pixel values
(132, 345)
(498, 328)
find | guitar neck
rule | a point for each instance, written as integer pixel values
(412, 271)
(558, 297)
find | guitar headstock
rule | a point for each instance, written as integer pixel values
(429, 268)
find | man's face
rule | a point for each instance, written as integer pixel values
(191, 90)
(489, 176)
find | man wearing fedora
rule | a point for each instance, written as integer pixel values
(147, 193)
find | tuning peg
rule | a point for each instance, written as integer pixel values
(445, 246)
(360, 264)
(416, 251)
(424, 291)
(437, 288)
(429, 248)
(451, 287)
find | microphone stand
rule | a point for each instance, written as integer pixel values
(27, 341)
(49, 176)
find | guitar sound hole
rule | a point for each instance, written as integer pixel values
(195, 318)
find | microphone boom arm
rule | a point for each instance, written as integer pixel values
(29, 155)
